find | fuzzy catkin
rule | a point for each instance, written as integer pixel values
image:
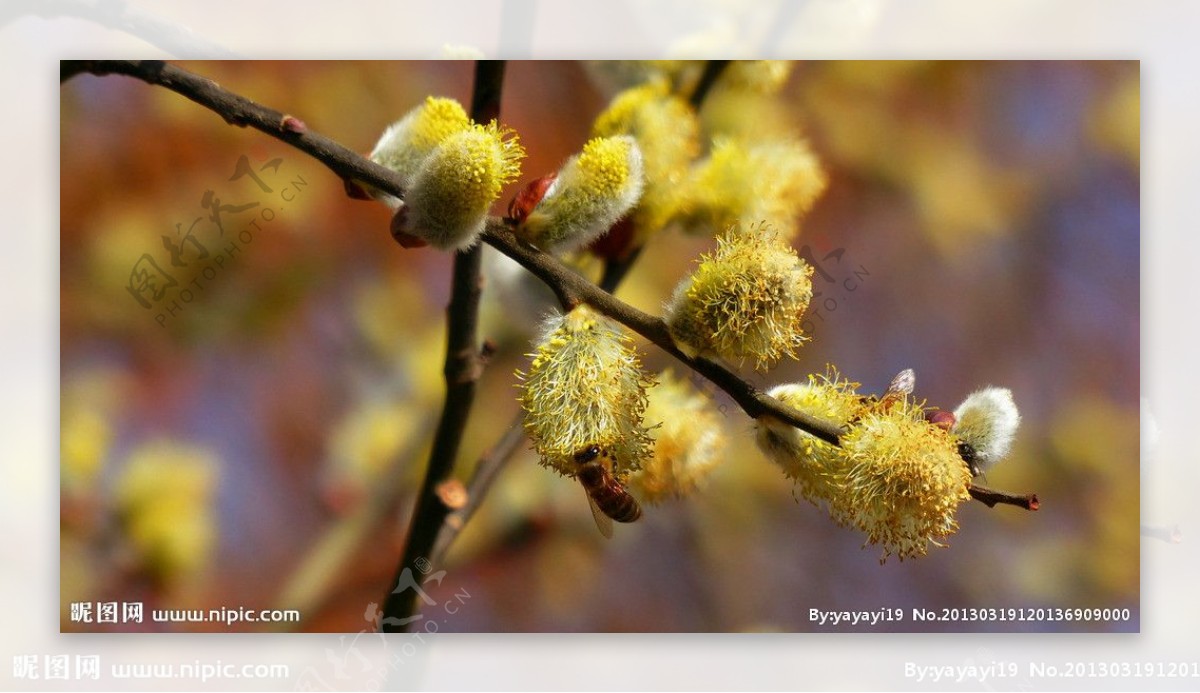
(406, 143)
(896, 476)
(812, 463)
(775, 181)
(586, 387)
(987, 420)
(449, 199)
(689, 441)
(745, 301)
(667, 132)
(903, 483)
(594, 189)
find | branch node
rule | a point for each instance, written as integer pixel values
(452, 494)
(487, 350)
(290, 123)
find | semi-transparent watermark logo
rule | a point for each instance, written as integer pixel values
(834, 279)
(66, 667)
(197, 254)
(351, 667)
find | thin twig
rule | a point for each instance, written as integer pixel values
(991, 498)
(486, 471)
(712, 71)
(463, 368)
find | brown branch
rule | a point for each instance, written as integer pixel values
(463, 368)
(991, 498)
(708, 78)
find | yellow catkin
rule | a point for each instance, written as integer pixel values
(450, 196)
(745, 301)
(406, 143)
(367, 439)
(593, 190)
(86, 436)
(668, 134)
(896, 477)
(903, 483)
(775, 181)
(689, 441)
(759, 76)
(164, 498)
(812, 463)
(586, 386)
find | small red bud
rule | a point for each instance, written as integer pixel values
(941, 419)
(293, 124)
(529, 197)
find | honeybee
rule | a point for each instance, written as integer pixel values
(606, 496)
(901, 386)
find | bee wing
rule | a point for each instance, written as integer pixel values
(900, 387)
(903, 383)
(603, 522)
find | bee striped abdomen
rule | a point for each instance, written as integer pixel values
(605, 491)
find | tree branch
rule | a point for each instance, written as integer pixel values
(463, 368)
(712, 71)
(991, 498)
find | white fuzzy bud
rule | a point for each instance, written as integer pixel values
(987, 421)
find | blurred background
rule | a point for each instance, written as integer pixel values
(258, 440)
